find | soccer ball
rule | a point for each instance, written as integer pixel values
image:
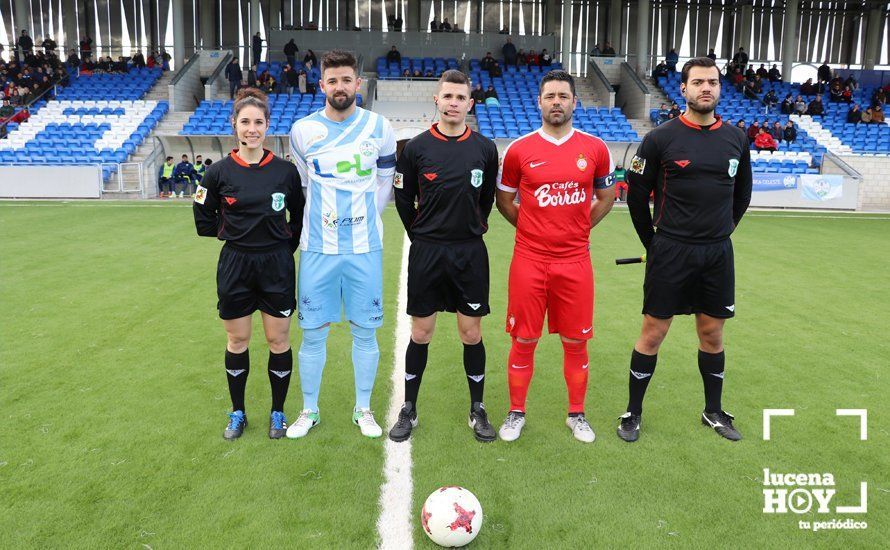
(451, 516)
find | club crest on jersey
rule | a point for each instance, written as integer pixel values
(733, 167)
(638, 165)
(200, 195)
(398, 181)
(366, 148)
(278, 202)
(582, 162)
(476, 177)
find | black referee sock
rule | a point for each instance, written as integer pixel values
(711, 367)
(415, 364)
(237, 369)
(474, 366)
(280, 367)
(642, 367)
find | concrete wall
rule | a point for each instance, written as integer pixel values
(874, 188)
(630, 97)
(188, 90)
(400, 90)
(611, 67)
(209, 60)
(413, 44)
(51, 182)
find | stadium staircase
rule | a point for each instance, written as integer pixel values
(160, 91)
(822, 136)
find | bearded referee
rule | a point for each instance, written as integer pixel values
(700, 171)
(444, 191)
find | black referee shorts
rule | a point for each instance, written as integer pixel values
(448, 277)
(683, 278)
(248, 281)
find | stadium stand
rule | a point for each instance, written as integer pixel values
(434, 65)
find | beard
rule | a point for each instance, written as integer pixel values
(566, 118)
(341, 103)
(702, 108)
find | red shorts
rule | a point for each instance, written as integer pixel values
(562, 290)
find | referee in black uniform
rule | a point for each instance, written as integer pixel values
(700, 171)
(444, 190)
(244, 200)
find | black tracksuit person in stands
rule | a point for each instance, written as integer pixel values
(444, 190)
(700, 171)
(253, 202)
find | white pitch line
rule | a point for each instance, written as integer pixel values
(394, 524)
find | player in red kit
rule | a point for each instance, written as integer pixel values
(557, 170)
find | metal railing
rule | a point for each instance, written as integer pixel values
(119, 182)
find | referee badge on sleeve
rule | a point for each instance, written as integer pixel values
(476, 177)
(398, 181)
(638, 165)
(733, 167)
(200, 195)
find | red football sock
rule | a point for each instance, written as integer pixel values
(575, 369)
(519, 372)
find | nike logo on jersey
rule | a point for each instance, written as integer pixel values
(234, 372)
(280, 373)
(536, 164)
(476, 378)
(731, 308)
(640, 375)
(431, 176)
(519, 366)
(230, 200)
(682, 163)
(474, 306)
(586, 330)
(410, 376)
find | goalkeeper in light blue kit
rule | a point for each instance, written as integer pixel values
(346, 157)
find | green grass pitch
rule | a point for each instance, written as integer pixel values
(113, 399)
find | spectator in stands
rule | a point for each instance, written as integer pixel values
(740, 58)
(774, 74)
(764, 141)
(663, 114)
(491, 93)
(808, 88)
(310, 58)
(790, 133)
(675, 110)
(595, 52)
(494, 72)
(406, 73)
(509, 52)
(847, 95)
(867, 115)
(608, 50)
(749, 73)
(393, 56)
(311, 26)
(835, 93)
(86, 47)
(877, 114)
(139, 60)
(446, 26)
(879, 97)
(416, 74)
(824, 73)
(6, 111)
(270, 86)
(660, 70)
(256, 46)
(283, 81)
(428, 73)
(741, 125)
(533, 58)
(233, 75)
(151, 63)
(854, 115)
(505, 30)
(165, 60)
(73, 61)
(478, 96)
(851, 82)
(521, 58)
(301, 82)
(165, 178)
(24, 44)
(800, 106)
(753, 130)
(251, 77)
(777, 131)
(816, 108)
(434, 26)
(770, 100)
(671, 60)
(758, 84)
(290, 52)
(737, 79)
(183, 176)
(49, 46)
(749, 91)
(293, 81)
(712, 55)
(486, 62)
(762, 72)
(546, 59)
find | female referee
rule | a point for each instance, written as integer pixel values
(242, 201)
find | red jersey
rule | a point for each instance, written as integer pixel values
(555, 180)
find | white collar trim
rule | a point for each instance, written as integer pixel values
(553, 140)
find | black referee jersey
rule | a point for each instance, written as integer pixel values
(244, 204)
(701, 176)
(452, 180)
